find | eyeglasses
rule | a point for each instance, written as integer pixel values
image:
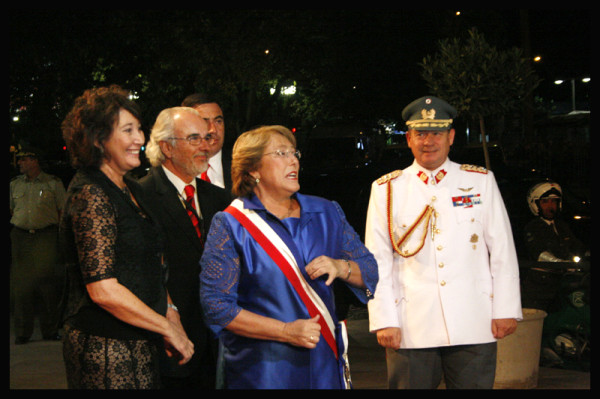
(196, 139)
(285, 154)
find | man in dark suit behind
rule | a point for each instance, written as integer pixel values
(219, 171)
(178, 151)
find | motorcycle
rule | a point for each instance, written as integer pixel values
(562, 290)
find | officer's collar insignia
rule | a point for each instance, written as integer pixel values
(424, 177)
(440, 175)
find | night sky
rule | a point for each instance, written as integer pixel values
(374, 40)
(377, 51)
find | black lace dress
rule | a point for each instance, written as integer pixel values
(104, 234)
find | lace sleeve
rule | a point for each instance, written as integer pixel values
(220, 275)
(94, 228)
(354, 249)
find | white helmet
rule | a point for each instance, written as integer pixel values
(546, 189)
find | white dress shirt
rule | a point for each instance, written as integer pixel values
(180, 186)
(215, 170)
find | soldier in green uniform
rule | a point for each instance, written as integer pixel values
(36, 199)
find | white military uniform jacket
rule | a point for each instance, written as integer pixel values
(465, 272)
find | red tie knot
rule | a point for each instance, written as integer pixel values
(189, 191)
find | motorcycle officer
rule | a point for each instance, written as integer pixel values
(547, 237)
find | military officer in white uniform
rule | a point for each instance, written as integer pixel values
(449, 277)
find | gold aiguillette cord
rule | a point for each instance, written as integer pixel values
(424, 217)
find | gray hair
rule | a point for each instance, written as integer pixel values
(163, 130)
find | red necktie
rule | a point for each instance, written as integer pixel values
(189, 192)
(204, 175)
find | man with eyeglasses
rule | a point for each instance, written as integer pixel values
(449, 277)
(184, 205)
(219, 170)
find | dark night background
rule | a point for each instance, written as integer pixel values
(352, 70)
(348, 64)
(367, 61)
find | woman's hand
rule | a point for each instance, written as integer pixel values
(177, 343)
(322, 265)
(116, 299)
(303, 332)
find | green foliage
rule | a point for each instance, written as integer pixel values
(478, 79)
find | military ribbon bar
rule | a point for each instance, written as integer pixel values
(466, 201)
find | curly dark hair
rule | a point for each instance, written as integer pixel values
(90, 123)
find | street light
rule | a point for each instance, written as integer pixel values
(560, 81)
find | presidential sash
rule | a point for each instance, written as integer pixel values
(279, 252)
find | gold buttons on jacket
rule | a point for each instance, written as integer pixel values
(443, 283)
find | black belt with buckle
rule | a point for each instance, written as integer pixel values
(34, 231)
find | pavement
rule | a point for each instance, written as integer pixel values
(368, 368)
(39, 364)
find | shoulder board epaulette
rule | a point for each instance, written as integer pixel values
(473, 168)
(390, 176)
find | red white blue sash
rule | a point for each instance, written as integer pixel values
(283, 257)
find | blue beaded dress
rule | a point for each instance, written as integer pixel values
(238, 274)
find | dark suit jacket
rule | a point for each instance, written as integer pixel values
(183, 250)
(226, 164)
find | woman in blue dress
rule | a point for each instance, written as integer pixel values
(267, 271)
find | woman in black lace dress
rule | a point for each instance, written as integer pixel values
(116, 306)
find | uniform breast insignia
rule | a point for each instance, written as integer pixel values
(389, 177)
(474, 239)
(466, 201)
(473, 168)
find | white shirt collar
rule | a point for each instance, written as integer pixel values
(215, 170)
(177, 182)
(548, 222)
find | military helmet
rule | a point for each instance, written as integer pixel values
(547, 189)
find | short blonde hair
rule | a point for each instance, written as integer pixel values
(247, 153)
